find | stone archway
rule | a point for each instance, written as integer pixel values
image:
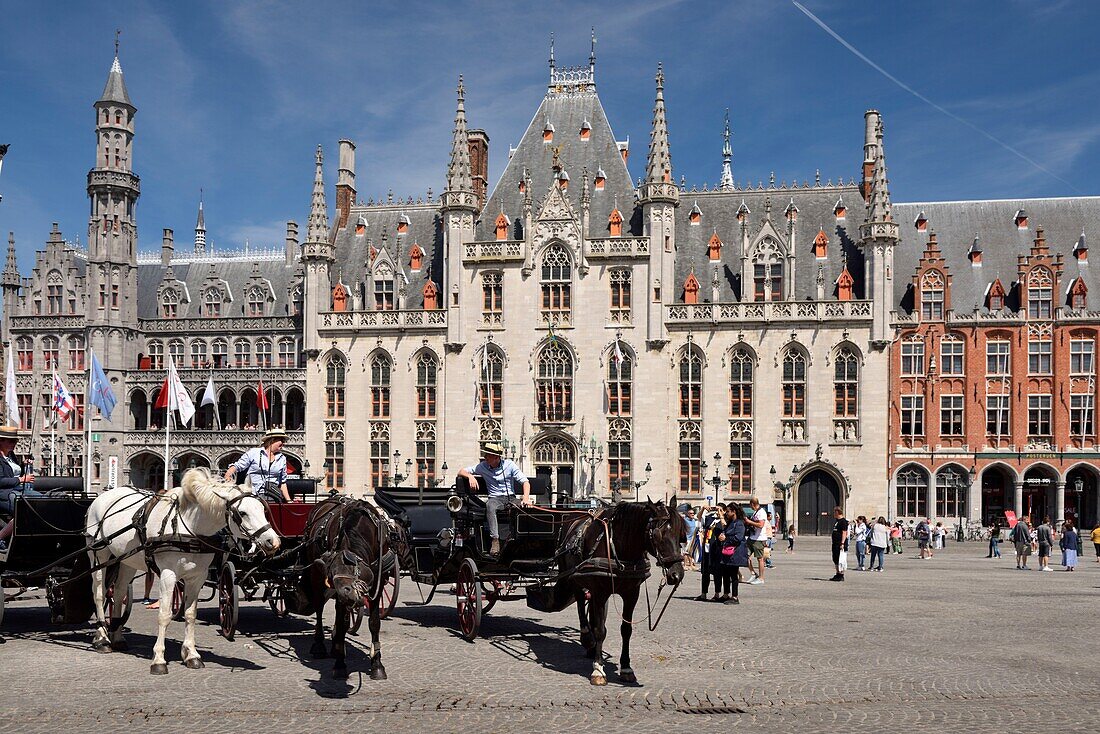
(1039, 489)
(555, 460)
(147, 471)
(819, 491)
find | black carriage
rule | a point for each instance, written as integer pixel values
(449, 541)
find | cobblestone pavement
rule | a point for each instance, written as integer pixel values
(956, 643)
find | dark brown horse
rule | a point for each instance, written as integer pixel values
(606, 555)
(346, 546)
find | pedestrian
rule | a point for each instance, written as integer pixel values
(880, 540)
(995, 540)
(769, 541)
(940, 535)
(1096, 541)
(754, 526)
(691, 525)
(1044, 536)
(792, 533)
(923, 534)
(895, 537)
(1068, 543)
(1021, 539)
(710, 526)
(734, 554)
(859, 535)
(840, 543)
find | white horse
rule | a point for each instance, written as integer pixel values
(177, 532)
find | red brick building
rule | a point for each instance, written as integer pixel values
(993, 369)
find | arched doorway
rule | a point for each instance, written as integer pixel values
(1081, 499)
(147, 472)
(555, 460)
(998, 495)
(818, 493)
(1038, 494)
(225, 462)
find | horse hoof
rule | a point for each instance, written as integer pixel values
(378, 673)
(158, 669)
(340, 673)
(101, 646)
(628, 677)
(194, 663)
(599, 680)
(120, 646)
(318, 651)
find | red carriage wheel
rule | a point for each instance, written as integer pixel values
(177, 601)
(277, 602)
(468, 594)
(228, 600)
(389, 591)
(491, 592)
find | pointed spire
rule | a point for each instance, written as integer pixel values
(200, 230)
(317, 228)
(115, 89)
(459, 177)
(726, 184)
(11, 268)
(659, 163)
(879, 208)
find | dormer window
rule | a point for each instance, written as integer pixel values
(522, 186)
(601, 179)
(416, 257)
(996, 296)
(844, 283)
(502, 226)
(1040, 290)
(743, 212)
(696, 214)
(548, 132)
(921, 222)
(1020, 219)
(624, 148)
(691, 289)
(212, 304)
(431, 296)
(586, 130)
(791, 212)
(256, 299)
(714, 248)
(563, 179)
(840, 211)
(615, 223)
(169, 305)
(1078, 295)
(821, 245)
(402, 224)
(339, 298)
(931, 296)
(383, 288)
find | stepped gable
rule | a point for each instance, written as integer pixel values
(567, 107)
(718, 213)
(424, 228)
(957, 222)
(237, 270)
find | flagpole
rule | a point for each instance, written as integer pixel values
(217, 416)
(167, 423)
(88, 419)
(53, 427)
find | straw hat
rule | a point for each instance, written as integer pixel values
(274, 434)
(11, 432)
(492, 448)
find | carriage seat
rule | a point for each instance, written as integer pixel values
(423, 511)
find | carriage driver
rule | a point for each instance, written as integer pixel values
(266, 468)
(12, 482)
(499, 475)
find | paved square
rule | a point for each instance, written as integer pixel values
(956, 643)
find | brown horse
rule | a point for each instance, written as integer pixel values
(606, 555)
(346, 546)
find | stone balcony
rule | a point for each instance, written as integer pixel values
(788, 312)
(617, 247)
(493, 251)
(221, 441)
(334, 322)
(221, 325)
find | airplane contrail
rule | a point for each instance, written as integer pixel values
(836, 36)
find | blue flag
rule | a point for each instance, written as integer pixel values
(99, 391)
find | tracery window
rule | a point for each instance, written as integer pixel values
(257, 299)
(912, 493)
(952, 350)
(794, 383)
(846, 384)
(556, 283)
(380, 370)
(620, 376)
(220, 353)
(263, 353)
(620, 296)
(741, 366)
(379, 453)
(286, 353)
(425, 454)
(242, 353)
(198, 353)
(951, 491)
(492, 299)
(491, 383)
(912, 357)
(618, 453)
(554, 384)
(740, 457)
(334, 456)
(169, 304)
(175, 352)
(767, 276)
(1040, 294)
(691, 445)
(55, 294)
(24, 353)
(156, 355)
(212, 303)
(76, 353)
(931, 296)
(335, 374)
(691, 383)
(50, 352)
(426, 378)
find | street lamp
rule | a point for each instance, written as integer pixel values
(619, 483)
(716, 481)
(592, 454)
(398, 477)
(785, 488)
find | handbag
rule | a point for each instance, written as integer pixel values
(728, 550)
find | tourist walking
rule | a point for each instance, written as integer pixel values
(734, 554)
(923, 534)
(880, 540)
(792, 533)
(1044, 536)
(1096, 541)
(755, 528)
(859, 535)
(1021, 540)
(995, 540)
(692, 525)
(708, 538)
(895, 537)
(840, 544)
(769, 541)
(1068, 544)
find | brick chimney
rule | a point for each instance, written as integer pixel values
(479, 164)
(345, 183)
(167, 246)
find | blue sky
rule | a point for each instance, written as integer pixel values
(233, 97)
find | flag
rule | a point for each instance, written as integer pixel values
(11, 398)
(618, 357)
(174, 396)
(553, 336)
(261, 397)
(208, 397)
(99, 390)
(62, 400)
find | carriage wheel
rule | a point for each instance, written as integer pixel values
(491, 592)
(277, 601)
(177, 601)
(389, 591)
(229, 600)
(109, 604)
(468, 593)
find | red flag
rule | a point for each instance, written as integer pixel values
(261, 398)
(162, 399)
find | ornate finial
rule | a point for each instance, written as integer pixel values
(726, 184)
(461, 89)
(660, 76)
(118, 32)
(551, 51)
(556, 161)
(592, 55)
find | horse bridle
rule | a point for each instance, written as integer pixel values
(233, 514)
(352, 559)
(652, 528)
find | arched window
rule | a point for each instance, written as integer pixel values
(169, 304)
(912, 492)
(263, 353)
(175, 352)
(618, 453)
(425, 454)
(334, 456)
(426, 368)
(198, 353)
(931, 296)
(951, 492)
(156, 355)
(242, 353)
(691, 445)
(24, 350)
(220, 353)
(846, 384)
(492, 299)
(51, 352)
(741, 384)
(556, 283)
(691, 383)
(257, 299)
(1040, 293)
(380, 369)
(740, 457)
(794, 383)
(620, 296)
(767, 272)
(383, 288)
(76, 353)
(227, 409)
(554, 384)
(286, 353)
(335, 372)
(55, 293)
(212, 303)
(491, 383)
(620, 377)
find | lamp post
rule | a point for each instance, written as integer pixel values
(716, 481)
(1078, 490)
(398, 477)
(618, 484)
(592, 454)
(435, 481)
(785, 488)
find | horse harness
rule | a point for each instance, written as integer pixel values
(611, 565)
(385, 560)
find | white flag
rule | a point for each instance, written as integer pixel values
(11, 398)
(178, 397)
(208, 393)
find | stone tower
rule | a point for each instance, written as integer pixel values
(317, 257)
(458, 207)
(879, 235)
(10, 283)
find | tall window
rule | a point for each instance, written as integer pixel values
(212, 303)
(380, 369)
(1038, 415)
(51, 352)
(997, 353)
(383, 289)
(1081, 415)
(846, 384)
(175, 352)
(335, 373)
(1040, 293)
(286, 353)
(76, 353)
(931, 296)
(491, 386)
(951, 491)
(912, 493)
(554, 386)
(242, 353)
(951, 415)
(912, 415)
(263, 353)
(620, 296)
(997, 416)
(220, 352)
(618, 452)
(767, 272)
(951, 356)
(426, 368)
(794, 384)
(169, 305)
(156, 355)
(198, 353)
(741, 384)
(557, 284)
(620, 374)
(740, 457)
(691, 446)
(492, 299)
(76, 415)
(912, 358)
(1039, 356)
(25, 408)
(379, 453)
(334, 455)
(425, 454)
(55, 294)
(1082, 356)
(256, 301)
(24, 353)
(691, 383)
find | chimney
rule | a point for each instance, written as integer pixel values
(166, 248)
(871, 122)
(345, 183)
(291, 243)
(479, 164)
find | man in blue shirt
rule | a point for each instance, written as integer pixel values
(265, 467)
(500, 476)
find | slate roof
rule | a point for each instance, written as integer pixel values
(957, 222)
(115, 89)
(236, 271)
